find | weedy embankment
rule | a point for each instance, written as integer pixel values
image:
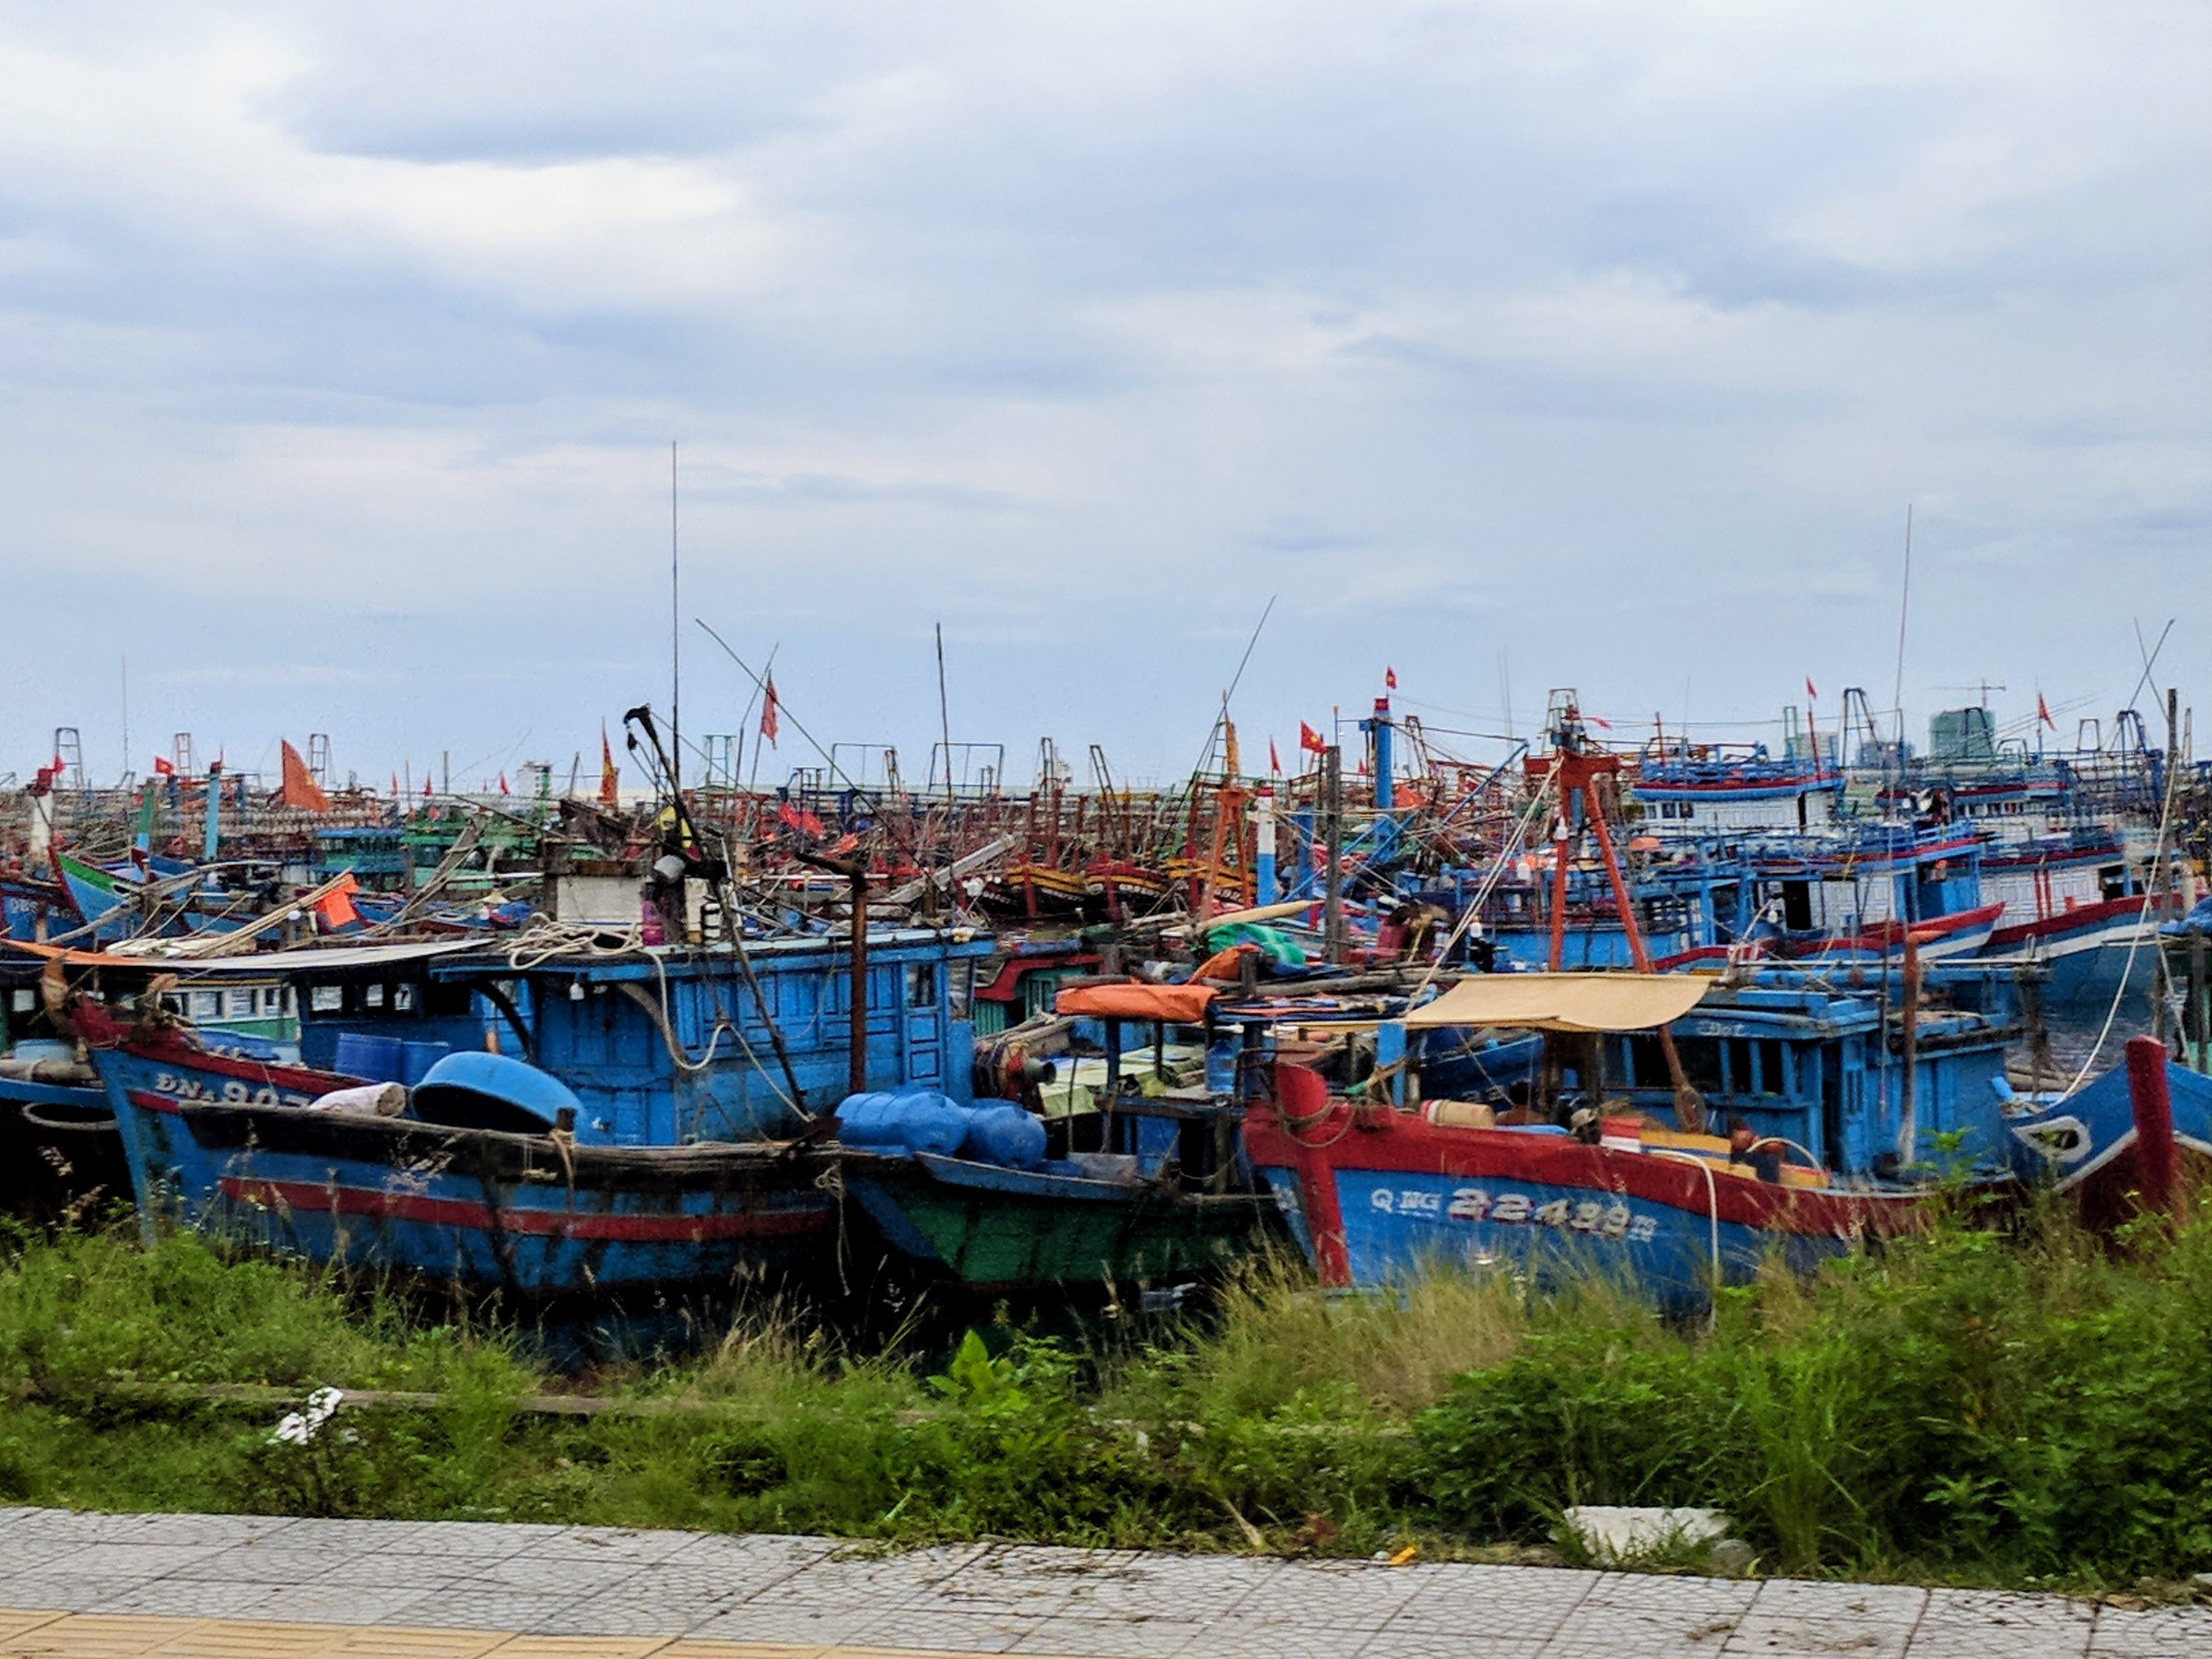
(2016, 1406)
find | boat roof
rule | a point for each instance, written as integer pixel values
(1564, 1002)
(252, 964)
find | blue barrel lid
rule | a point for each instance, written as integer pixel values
(475, 1090)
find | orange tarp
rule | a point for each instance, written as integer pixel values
(1226, 964)
(1178, 1004)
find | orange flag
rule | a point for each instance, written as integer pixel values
(335, 907)
(610, 775)
(300, 790)
(770, 709)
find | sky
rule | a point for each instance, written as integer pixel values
(1508, 345)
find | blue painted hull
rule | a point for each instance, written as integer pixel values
(1379, 1199)
(1399, 1226)
(230, 1145)
(2087, 1139)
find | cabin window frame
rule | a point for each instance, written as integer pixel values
(921, 987)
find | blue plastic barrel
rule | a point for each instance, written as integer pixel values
(372, 1059)
(417, 1058)
(922, 1121)
(1221, 1064)
(1004, 1135)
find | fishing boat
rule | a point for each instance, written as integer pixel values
(1799, 1105)
(1136, 1182)
(2089, 1143)
(488, 1174)
(60, 1151)
(2078, 902)
(1810, 1133)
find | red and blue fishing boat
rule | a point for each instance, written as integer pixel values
(489, 1175)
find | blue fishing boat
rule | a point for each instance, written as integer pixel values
(2086, 1143)
(681, 1088)
(2082, 904)
(1825, 1117)
(488, 1174)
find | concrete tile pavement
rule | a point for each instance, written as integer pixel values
(76, 1586)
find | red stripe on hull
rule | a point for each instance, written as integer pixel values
(2081, 915)
(1399, 1143)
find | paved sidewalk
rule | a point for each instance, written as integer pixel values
(73, 1586)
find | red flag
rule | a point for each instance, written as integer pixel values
(610, 775)
(394, 783)
(1595, 721)
(503, 789)
(299, 789)
(1390, 678)
(1274, 763)
(1810, 695)
(164, 768)
(1310, 740)
(768, 710)
(2042, 711)
(426, 787)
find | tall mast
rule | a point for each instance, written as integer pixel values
(676, 643)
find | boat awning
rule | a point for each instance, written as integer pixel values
(1178, 1004)
(1564, 1002)
(255, 964)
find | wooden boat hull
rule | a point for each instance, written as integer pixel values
(230, 1143)
(61, 1155)
(1384, 1197)
(994, 1228)
(2084, 1143)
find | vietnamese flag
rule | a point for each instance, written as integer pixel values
(1310, 740)
(1274, 762)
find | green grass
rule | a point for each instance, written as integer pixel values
(2019, 1405)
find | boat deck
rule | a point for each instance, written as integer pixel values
(90, 1586)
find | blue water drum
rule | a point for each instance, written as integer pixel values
(417, 1058)
(372, 1059)
(1221, 1064)
(1004, 1135)
(921, 1121)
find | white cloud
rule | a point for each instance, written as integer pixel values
(1620, 335)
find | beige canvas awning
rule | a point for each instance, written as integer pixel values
(1564, 1002)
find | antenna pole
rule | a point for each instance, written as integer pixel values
(676, 643)
(1904, 609)
(944, 733)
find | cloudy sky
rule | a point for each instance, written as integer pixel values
(1510, 344)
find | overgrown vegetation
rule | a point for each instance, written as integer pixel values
(2016, 1406)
